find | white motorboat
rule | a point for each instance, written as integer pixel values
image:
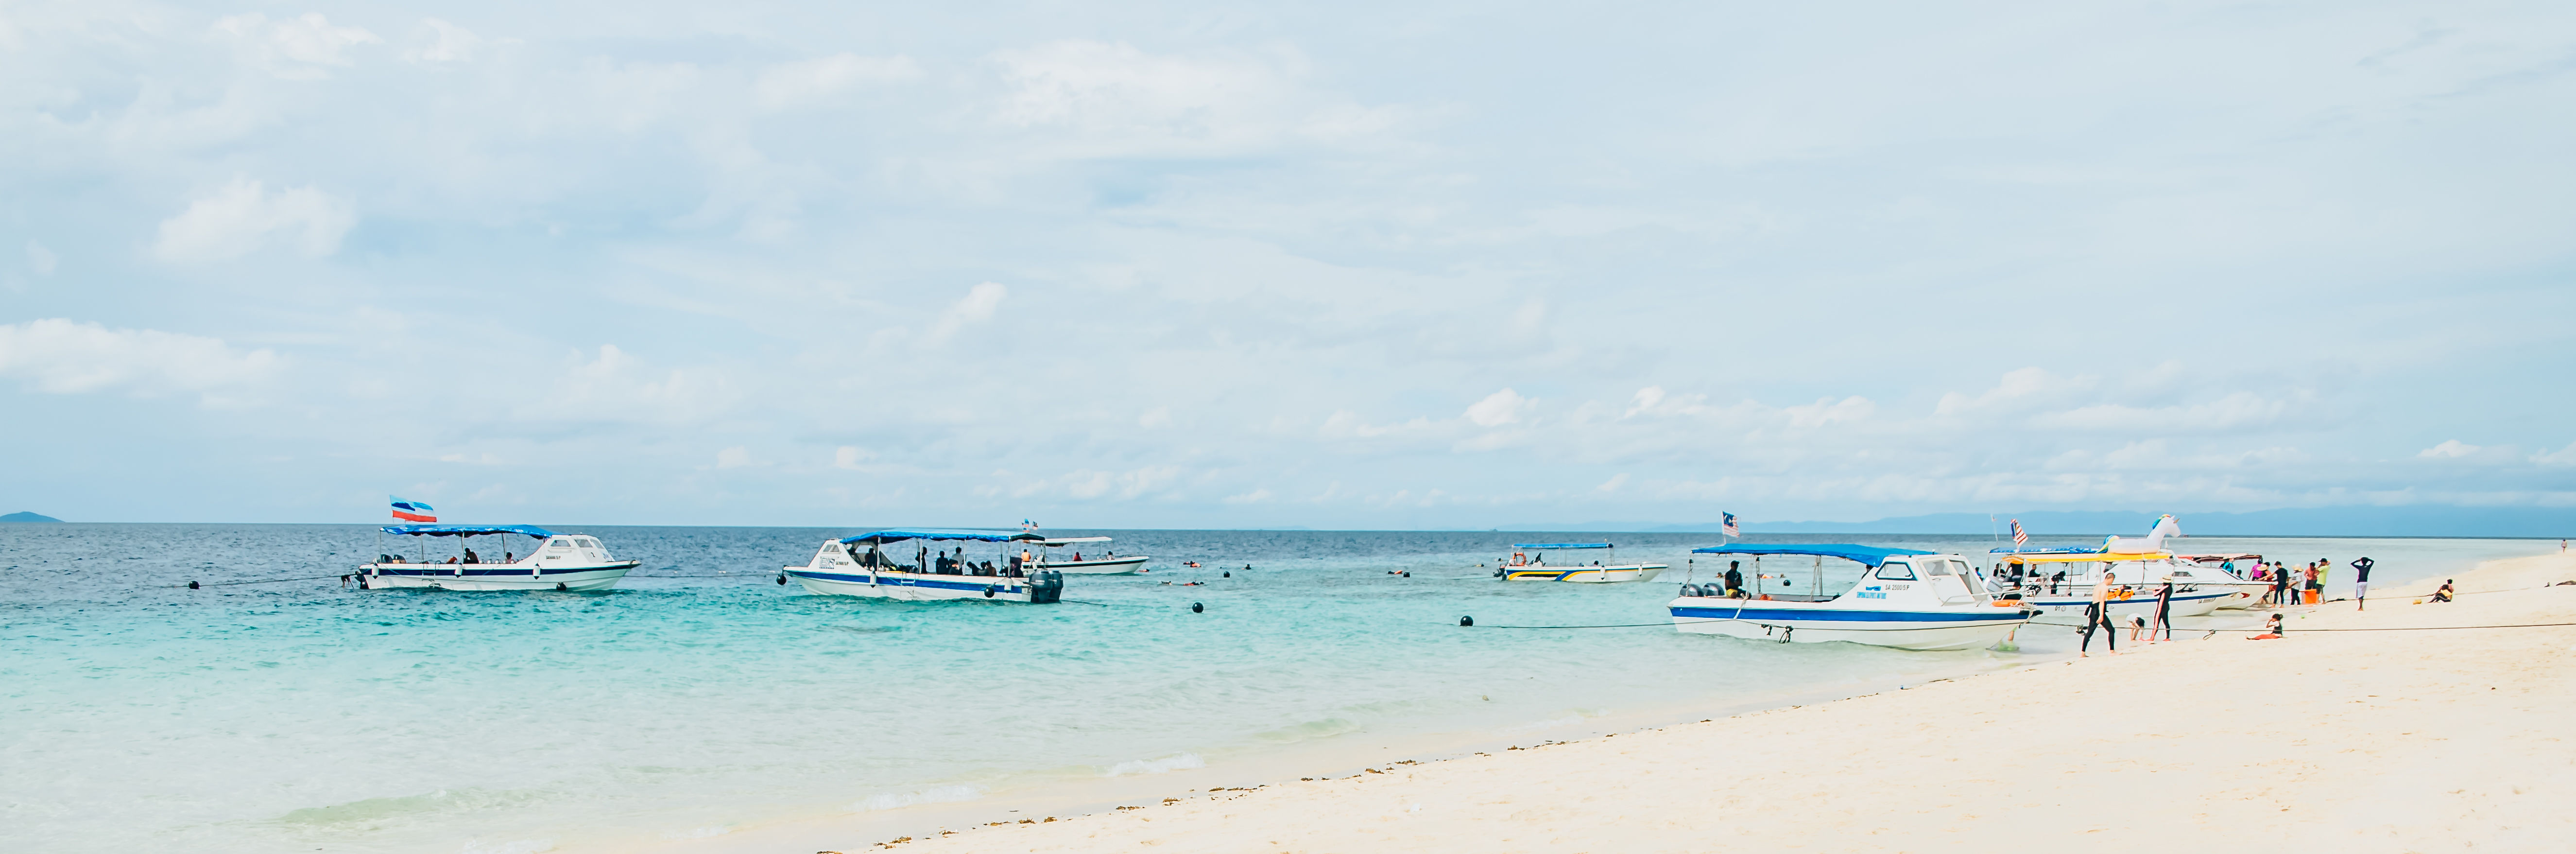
(860, 566)
(1099, 564)
(1904, 599)
(2134, 578)
(1529, 563)
(554, 562)
(2137, 569)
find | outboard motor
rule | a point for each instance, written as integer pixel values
(1045, 586)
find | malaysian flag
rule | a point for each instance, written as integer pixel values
(413, 511)
(1729, 526)
(2019, 536)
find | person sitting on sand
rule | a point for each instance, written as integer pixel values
(2271, 628)
(2444, 594)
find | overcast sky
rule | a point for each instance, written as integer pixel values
(1378, 265)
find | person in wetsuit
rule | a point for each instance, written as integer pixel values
(2098, 616)
(2164, 612)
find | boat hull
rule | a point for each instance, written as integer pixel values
(2249, 594)
(1111, 566)
(1585, 574)
(472, 576)
(916, 587)
(1824, 622)
(2069, 609)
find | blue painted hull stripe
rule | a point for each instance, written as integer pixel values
(1784, 615)
(904, 581)
(486, 573)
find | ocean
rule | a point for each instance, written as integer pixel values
(702, 699)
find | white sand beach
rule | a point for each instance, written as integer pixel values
(2438, 739)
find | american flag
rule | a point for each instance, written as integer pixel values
(1729, 525)
(2019, 536)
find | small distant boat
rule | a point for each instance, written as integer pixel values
(860, 566)
(555, 562)
(1905, 599)
(1529, 563)
(1109, 564)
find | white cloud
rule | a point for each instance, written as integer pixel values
(851, 457)
(1345, 424)
(1156, 418)
(977, 307)
(734, 457)
(615, 386)
(299, 48)
(1105, 99)
(242, 216)
(63, 357)
(790, 84)
(2240, 409)
(2562, 457)
(1254, 497)
(40, 259)
(447, 43)
(2019, 385)
(1128, 484)
(1645, 400)
(1500, 408)
(1613, 484)
(2452, 449)
(1828, 411)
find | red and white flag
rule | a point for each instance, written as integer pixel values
(413, 511)
(2019, 536)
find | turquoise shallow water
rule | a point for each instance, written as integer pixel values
(136, 714)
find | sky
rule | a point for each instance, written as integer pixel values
(1341, 265)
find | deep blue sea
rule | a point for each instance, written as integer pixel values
(701, 697)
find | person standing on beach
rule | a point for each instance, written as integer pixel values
(2164, 612)
(2098, 616)
(2316, 584)
(2361, 583)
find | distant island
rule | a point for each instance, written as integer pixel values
(28, 517)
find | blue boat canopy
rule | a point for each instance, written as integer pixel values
(1871, 555)
(1560, 545)
(982, 536)
(467, 530)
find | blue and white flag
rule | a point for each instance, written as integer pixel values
(1729, 526)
